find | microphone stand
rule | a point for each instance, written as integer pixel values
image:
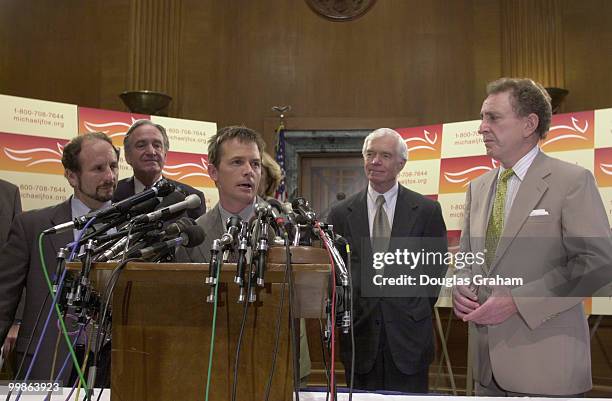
(262, 252)
(241, 263)
(343, 290)
(216, 263)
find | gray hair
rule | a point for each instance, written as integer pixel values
(402, 149)
(140, 123)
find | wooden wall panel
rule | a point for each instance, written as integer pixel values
(231, 61)
(402, 59)
(588, 54)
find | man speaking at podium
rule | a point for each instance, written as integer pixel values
(91, 166)
(540, 220)
(393, 334)
(234, 164)
(146, 146)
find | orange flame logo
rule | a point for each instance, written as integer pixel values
(111, 129)
(570, 132)
(603, 167)
(188, 168)
(423, 142)
(113, 123)
(457, 173)
(32, 154)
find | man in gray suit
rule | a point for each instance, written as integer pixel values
(234, 164)
(10, 206)
(91, 166)
(540, 220)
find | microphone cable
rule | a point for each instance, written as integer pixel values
(323, 352)
(245, 310)
(48, 396)
(101, 334)
(279, 316)
(213, 329)
(54, 305)
(87, 348)
(352, 328)
(23, 358)
(333, 319)
(296, 362)
(127, 243)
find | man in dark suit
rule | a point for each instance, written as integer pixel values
(234, 164)
(91, 167)
(10, 206)
(146, 145)
(393, 334)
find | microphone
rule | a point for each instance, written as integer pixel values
(233, 225)
(190, 237)
(118, 247)
(191, 202)
(162, 188)
(150, 237)
(303, 209)
(178, 227)
(243, 241)
(283, 216)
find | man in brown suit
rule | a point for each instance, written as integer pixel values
(542, 220)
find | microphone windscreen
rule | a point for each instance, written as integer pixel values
(195, 236)
(145, 207)
(164, 187)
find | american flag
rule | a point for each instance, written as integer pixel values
(281, 191)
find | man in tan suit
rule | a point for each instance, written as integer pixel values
(540, 220)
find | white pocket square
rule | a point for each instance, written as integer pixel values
(538, 212)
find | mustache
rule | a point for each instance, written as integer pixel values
(106, 185)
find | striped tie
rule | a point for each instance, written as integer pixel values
(496, 221)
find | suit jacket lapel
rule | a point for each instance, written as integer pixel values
(483, 211)
(213, 225)
(358, 217)
(529, 194)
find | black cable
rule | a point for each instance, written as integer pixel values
(107, 383)
(278, 322)
(108, 293)
(322, 341)
(296, 362)
(240, 335)
(351, 328)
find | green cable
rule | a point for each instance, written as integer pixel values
(59, 313)
(212, 335)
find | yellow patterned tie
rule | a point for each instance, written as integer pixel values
(496, 221)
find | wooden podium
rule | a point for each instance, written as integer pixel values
(162, 329)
